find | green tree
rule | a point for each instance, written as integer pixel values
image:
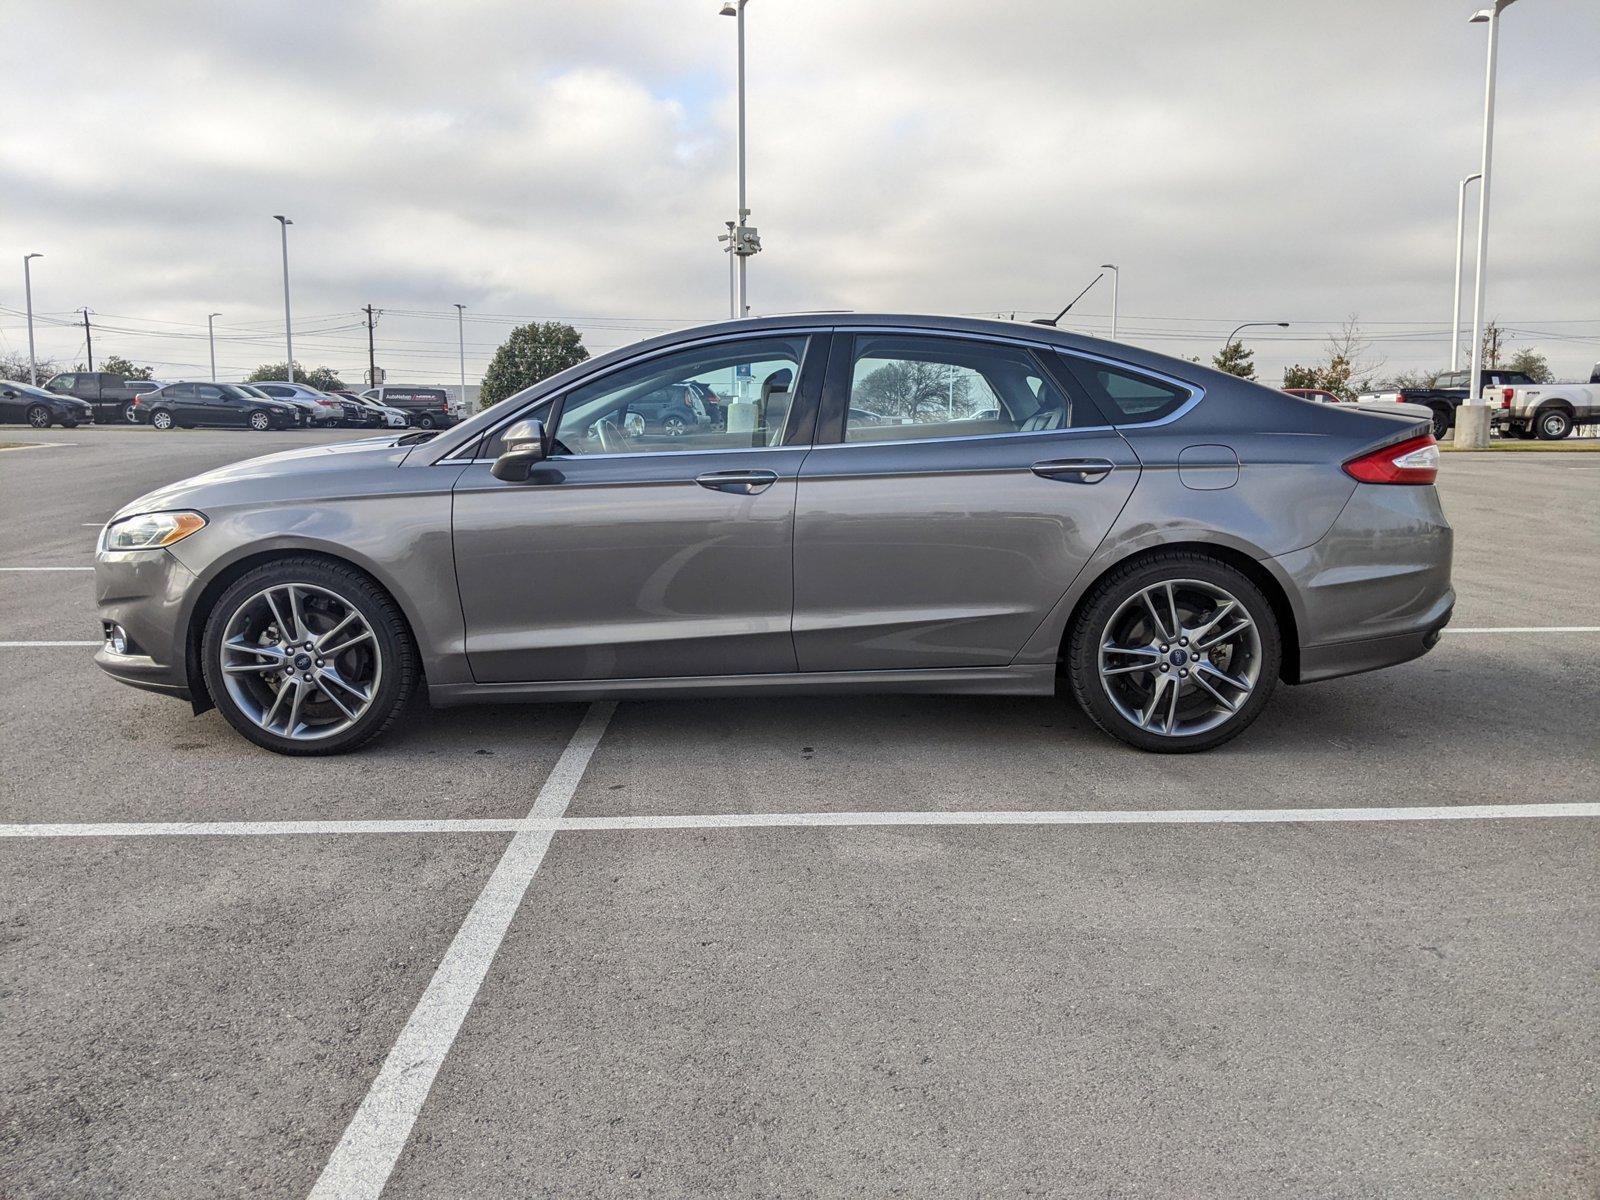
(323, 379)
(1333, 377)
(1236, 360)
(1532, 364)
(117, 365)
(531, 353)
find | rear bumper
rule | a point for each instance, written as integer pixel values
(1369, 654)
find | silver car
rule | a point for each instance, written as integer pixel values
(1020, 511)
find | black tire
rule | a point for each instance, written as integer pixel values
(39, 417)
(425, 421)
(69, 424)
(259, 420)
(1125, 583)
(1443, 421)
(130, 414)
(162, 419)
(1552, 424)
(401, 670)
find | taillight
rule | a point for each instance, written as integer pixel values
(1399, 397)
(1505, 397)
(134, 403)
(1413, 461)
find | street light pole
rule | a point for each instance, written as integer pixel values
(288, 327)
(1116, 286)
(746, 241)
(211, 337)
(27, 287)
(461, 341)
(1234, 336)
(1476, 426)
(1455, 300)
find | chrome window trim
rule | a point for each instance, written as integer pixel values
(1196, 392)
(568, 458)
(746, 335)
(971, 437)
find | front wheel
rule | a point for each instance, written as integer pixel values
(1174, 653)
(304, 656)
(1554, 424)
(260, 421)
(39, 417)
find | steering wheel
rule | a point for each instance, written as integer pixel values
(612, 439)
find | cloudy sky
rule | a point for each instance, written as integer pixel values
(1269, 161)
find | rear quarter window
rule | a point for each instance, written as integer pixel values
(1123, 394)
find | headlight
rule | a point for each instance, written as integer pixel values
(152, 531)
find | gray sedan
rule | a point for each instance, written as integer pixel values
(1025, 511)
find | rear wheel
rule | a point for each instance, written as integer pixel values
(161, 419)
(1174, 653)
(1440, 423)
(39, 417)
(308, 657)
(674, 425)
(1553, 424)
(425, 421)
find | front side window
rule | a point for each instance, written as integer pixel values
(907, 387)
(207, 394)
(62, 383)
(1123, 394)
(725, 396)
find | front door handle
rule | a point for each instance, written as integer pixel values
(740, 483)
(1074, 470)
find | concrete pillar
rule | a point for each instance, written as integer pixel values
(1472, 427)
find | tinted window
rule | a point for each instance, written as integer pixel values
(178, 391)
(657, 405)
(207, 393)
(918, 387)
(62, 383)
(1123, 394)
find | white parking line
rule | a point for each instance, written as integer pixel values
(46, 568)
(366, 1154)
(550, 824)
(1525, 629)
(18, 645)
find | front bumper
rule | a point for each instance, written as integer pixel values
(146, 592)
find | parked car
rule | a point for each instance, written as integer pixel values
(392, 418)
(23, 402)
(108, 394)
(673, 410)
(1161, 540)
(426, 408)
(1446, 395)
(222, 405)
(1320, 395)
(1547, 411)
(1402, 408)
(319, 407)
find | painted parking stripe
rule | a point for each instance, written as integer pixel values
(806, 820)
(46, 568)
(20, 645)
(1526, 629)
(366, 1154)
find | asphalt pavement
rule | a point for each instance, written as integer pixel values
(709, 991)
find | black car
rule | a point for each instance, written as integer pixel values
(673, 410)
(41, 409)
(187, 405)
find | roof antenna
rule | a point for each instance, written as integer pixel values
(1051, 321)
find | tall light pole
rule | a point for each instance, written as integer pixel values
(1476, 427)
(1234, 336)
(288, 328)
(461, 341)
(1455, 300)
(211, 336)
(1116, 281)
(27, 287)
(746, 240)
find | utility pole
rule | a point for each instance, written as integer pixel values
(211, 336)
(372, 357)
(27, 286)
(461, 341)
(88, 338)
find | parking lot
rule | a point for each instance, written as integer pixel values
(898, 945)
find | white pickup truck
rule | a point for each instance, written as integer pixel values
(1547, 411)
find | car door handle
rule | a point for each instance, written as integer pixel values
(740, 483)
(1074, 470)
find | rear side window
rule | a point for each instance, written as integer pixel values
(1123, 394)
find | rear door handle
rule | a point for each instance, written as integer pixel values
(1074, 470)
(740, 483)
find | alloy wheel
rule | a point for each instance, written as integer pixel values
(1180, 657)
(259, 421)
(300, 661)
(39, 417)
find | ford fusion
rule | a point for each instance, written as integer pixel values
(888, 503)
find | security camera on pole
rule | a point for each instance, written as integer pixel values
(743, 241)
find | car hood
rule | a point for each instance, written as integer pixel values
(305, 472)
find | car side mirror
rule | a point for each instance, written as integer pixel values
(527, 445)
